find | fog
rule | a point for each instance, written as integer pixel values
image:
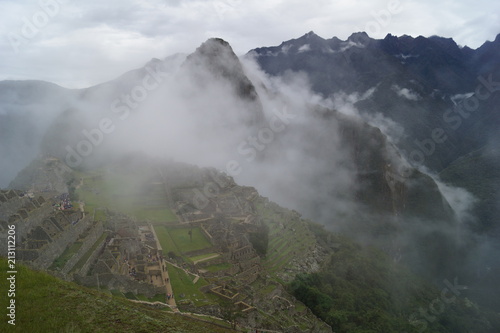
(27, 108)
(273, 133)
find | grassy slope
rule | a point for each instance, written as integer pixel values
(359, 289)
(131, 195)
(178, 240)
(187, 291)
(46, 304)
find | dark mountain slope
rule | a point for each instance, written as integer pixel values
(439, 103)
(352, 180)
(26, 110)
(417, 83)
(381, 200)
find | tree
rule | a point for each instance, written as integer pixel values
(230, 312)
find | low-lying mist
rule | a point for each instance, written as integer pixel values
(315, 155)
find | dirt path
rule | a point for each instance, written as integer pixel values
(168, 285)
(82, 207)
(207, 258)
(79, 185)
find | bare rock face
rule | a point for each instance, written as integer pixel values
(214, 62)
(46, 174)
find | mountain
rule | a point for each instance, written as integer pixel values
(353, 180)
(437, 102)
(416, 82)
(27, 109)
(313, 154)
(215, 59)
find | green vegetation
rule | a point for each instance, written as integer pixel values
(130, 194)
(219, 267)
(166, 242)
(361, 290)
(203, 257)
(179, 241)
(154, 214)
(65, 256)
(46, 304)
(260, 240)
(185, 289)
(87, 254)
(357, 289)
(130, 295)
(286, 235)
(100, 215)
(117, 293)
(185, 243)
(479, 174)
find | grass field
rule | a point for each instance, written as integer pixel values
(131, 195)
(166, 242)
(185, 289)
(204, 257)
(179, 241)
(100, 215)
(46, 304)
(184, 242)
(219, 267)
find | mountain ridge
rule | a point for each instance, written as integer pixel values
(341, 169)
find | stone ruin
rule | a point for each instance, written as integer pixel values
(225, 214)
(131, 260)
(42, 232)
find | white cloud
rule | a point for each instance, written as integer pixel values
(405, 93)
(88, 42)
(304, 48)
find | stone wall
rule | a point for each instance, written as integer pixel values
(195, 253)
(249, 276)
(243, 253)
(90, 240)
(88, 264)
(33, 216)
(249, 263)
(207, 234)
(54, 249)
(120, 282)
(210, 262)
(10, 205)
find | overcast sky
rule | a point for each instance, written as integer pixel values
(78, 43)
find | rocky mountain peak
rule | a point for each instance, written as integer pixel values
(359, 38)
(216, 57)
(215, 60)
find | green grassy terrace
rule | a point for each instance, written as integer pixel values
(177, 240)
(46, 304)
(187, 291)
(131, 194)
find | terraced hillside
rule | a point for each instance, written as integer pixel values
(196, 242)
(47, 304)
(155, 239)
